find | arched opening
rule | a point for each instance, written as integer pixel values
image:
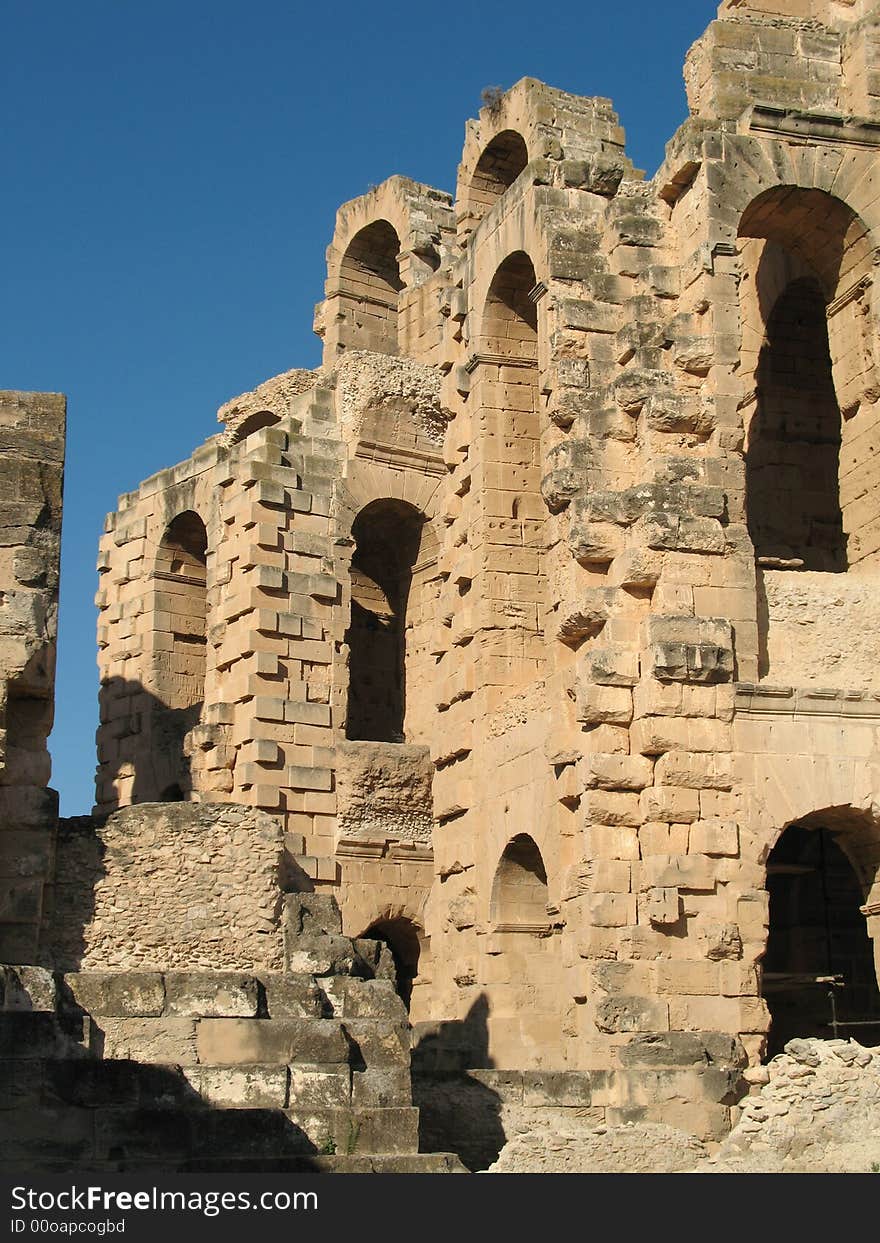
(818, 972)
(510, 446)
(369, 284)
(813, 493)
(498, 167)
(387, 536)
(252, 423)
(180, 660)
(519, 891)
(402, 938)
(793, 459)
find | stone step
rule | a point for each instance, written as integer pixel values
(172, 1136)
(91, 1083)
(402, 1163)
(26, 1035)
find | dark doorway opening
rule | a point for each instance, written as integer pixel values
(402, 938)
(819, 977)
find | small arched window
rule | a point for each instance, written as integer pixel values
(498, 167)
(369, 285)
(519, 891)
(387, 537)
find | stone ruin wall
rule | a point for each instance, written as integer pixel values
(596, 659)
(31, 475)
(176, 887)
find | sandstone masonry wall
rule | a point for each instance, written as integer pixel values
(31, 476)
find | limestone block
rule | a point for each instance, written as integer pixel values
(701, 978)
(595, 543)
(610, 842)
(312, 913)
(572, 1089)
(676, 872)
(322, 955)
(614, 666)
(606, 807)
(115, 994)
(378, 1043)
(273, 1041)
(319, 1087)
(240, 1087)
(659, 838)
(290, 996)
(610, 910)
(372, 999)
(29, 1034)
(696, 771)
(715, 837)
(380, 1087)
(663, 907)
(683, 1048)
(617, 772)
(691, 649)
(149, 1039)
(632, 1014)
(210, 995)
(673, 804)
(27, 988)
(598, 705)
(604, 876)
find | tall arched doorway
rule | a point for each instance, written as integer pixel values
(387, 537)
(819, 977)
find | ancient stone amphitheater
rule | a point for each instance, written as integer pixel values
(490, 718)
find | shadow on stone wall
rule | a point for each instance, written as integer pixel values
(155, 758)
(457, 1113)
(72, 899)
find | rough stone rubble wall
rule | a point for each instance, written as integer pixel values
(168, 887)
(816, 1112)
(31, 475)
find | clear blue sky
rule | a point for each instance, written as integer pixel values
(171, 172)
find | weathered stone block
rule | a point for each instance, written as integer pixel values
(273, 1041)
(632, 1014)
(320, 1087)
(27, 988)
(291, 996)
(372, 999)
(380, 1087)
(377, 1042)
(680, 1048)
(216, 994)
(240, 1087)
(118, 994)
(148, 1039)
(561, 1088)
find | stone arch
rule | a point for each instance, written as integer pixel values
(383, 577)
(500, 163)
(807, 359)
(180, 637)
(511, 442)
(369, 285)
(819, 967)
(404, 937)
(793, 502)
(365, 281)
(252, 423)
(519, 888)
(181, 566)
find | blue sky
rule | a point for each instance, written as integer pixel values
(171, 174)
